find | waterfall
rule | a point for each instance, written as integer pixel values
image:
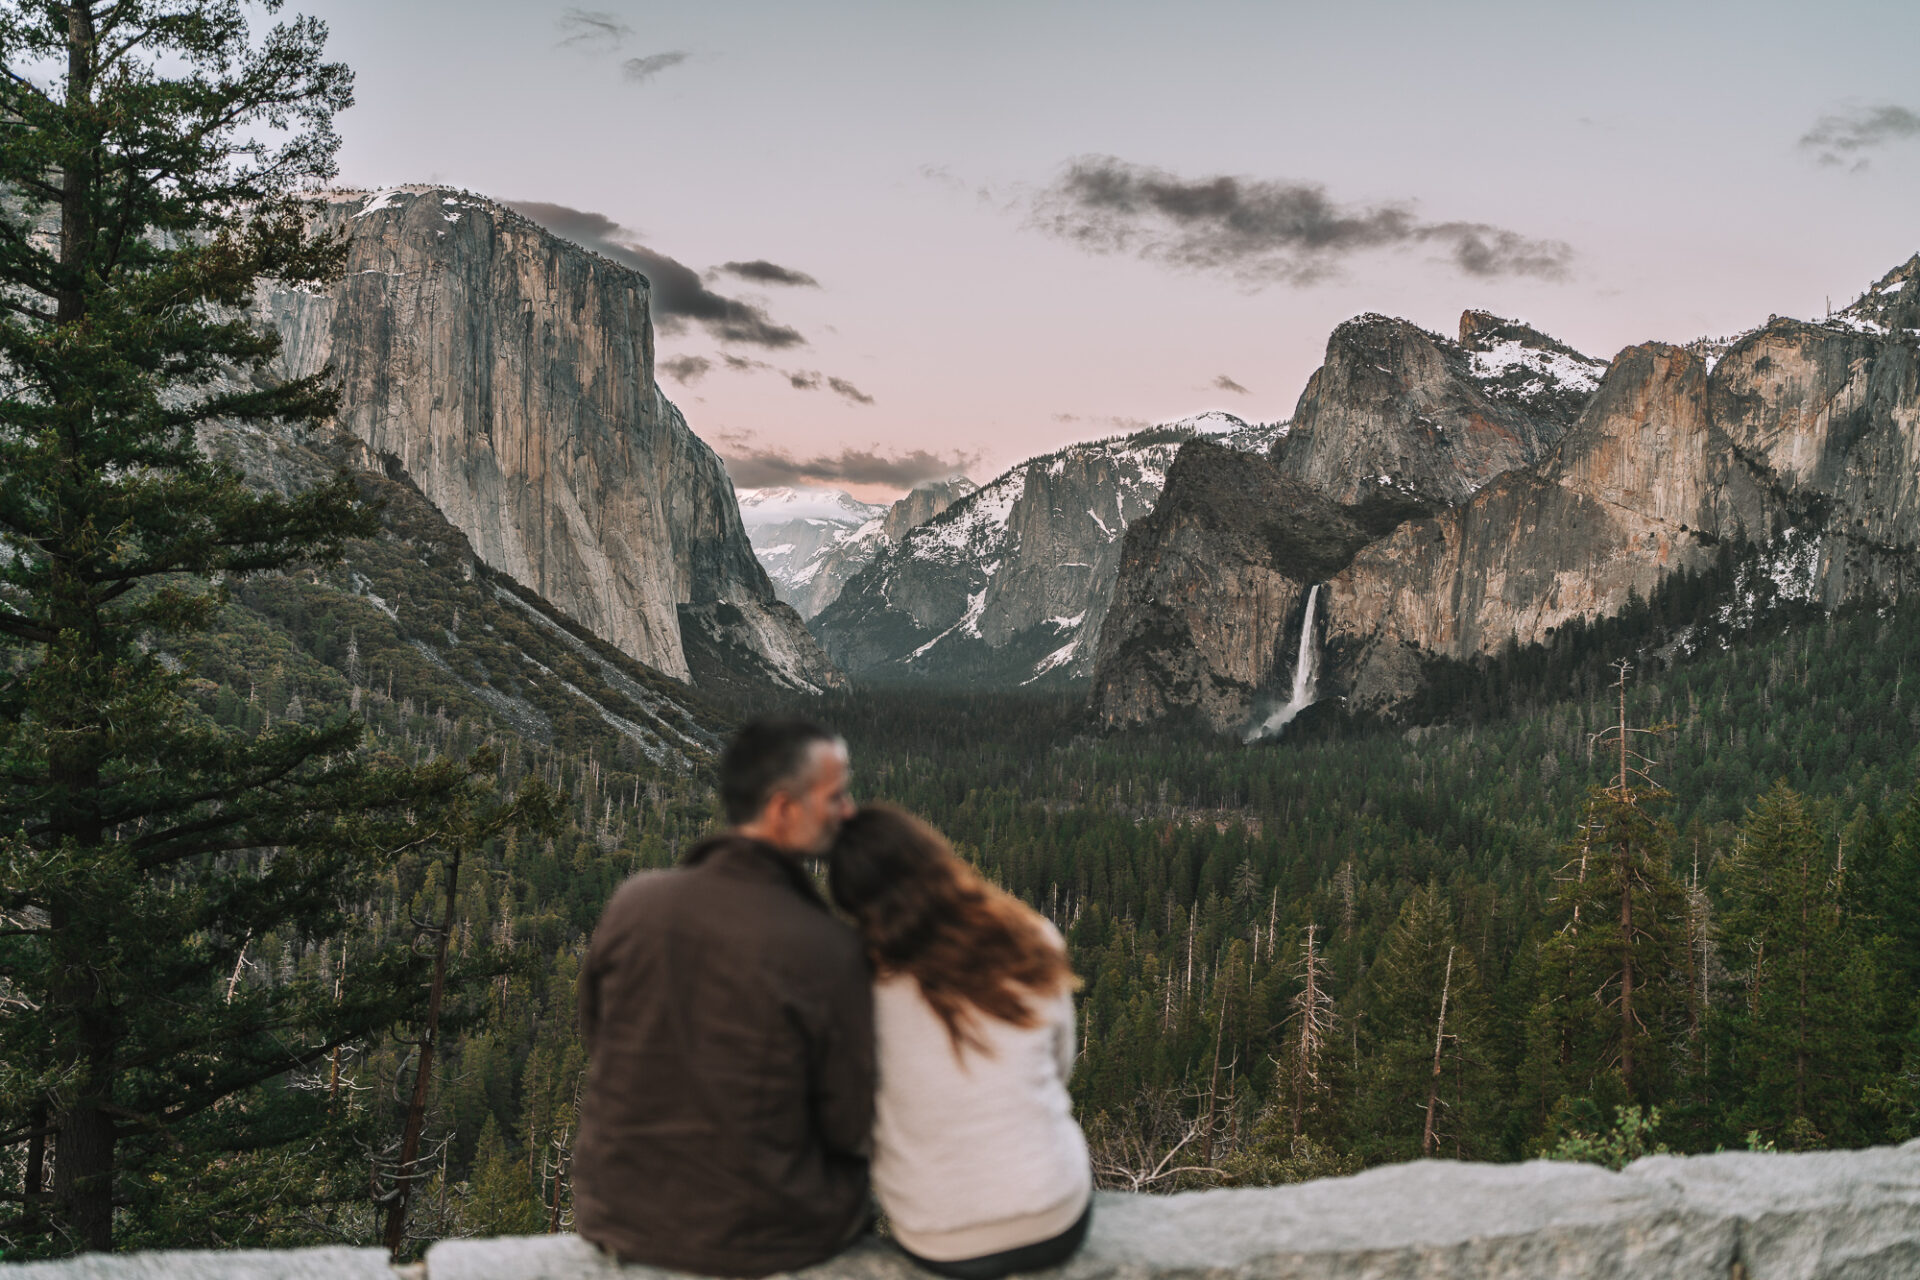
(1303, 678)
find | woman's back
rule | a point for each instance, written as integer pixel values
(975, 1148)
(976, 1158)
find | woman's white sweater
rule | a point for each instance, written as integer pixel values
(978, 1153)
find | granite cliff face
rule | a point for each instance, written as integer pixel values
(1398, 422)
(1397, 408)
(1212, 586)
(510, 376)
(1011, 583)
(1801, 441)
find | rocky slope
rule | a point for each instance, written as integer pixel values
(509, 375)
(425, 624)
(812, 557)
(1802, 441)
(1011, 583)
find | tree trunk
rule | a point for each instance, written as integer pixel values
(1439, 1039)
(1626, 970)
(417, 1108)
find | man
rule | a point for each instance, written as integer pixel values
(728, 1018)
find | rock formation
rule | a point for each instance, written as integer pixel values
(1799, 439)
(1803, 437)
(510, 375)
(1397, 422)
(1395, 407)
(1214, 581)
(1824, 1215)
(1010, 584)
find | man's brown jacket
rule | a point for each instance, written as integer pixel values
(728, 1019)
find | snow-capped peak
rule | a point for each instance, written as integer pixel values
(1214, 422)
(785, 503)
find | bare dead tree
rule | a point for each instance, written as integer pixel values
(1439, 1043)
(1313, 1019)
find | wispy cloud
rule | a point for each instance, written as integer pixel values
(1842, 139)
(760, 468)
(592, 29)
(679, 295)
(760, 271)
(641, 70)
(1259, 231)
(1224, 383)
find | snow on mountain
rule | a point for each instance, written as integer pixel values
(785, 504)
(792, 529)
(1011, 584)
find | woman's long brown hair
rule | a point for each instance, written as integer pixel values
(923, 911)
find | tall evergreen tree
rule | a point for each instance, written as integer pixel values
(1798, 1027)
(152, 154)
(1426, 1088)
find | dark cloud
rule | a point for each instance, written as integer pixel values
(1259, 231)
(760, 271)
(812, 380)
(678, 293)
(1840, 139)
(590, 27)
(688, 369)
(842, 387)
(762, 468)
(641, 70)
(1224, 383)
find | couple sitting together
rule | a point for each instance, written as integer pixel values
(752, 1058)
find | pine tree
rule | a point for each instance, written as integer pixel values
(1613, 976)
(1425, 1085)
(151, 157)
(1797, 1027)
(502, 1201)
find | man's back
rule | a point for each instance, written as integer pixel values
(728, 1017)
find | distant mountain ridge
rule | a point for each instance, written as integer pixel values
(813, 541)
(1011, 583)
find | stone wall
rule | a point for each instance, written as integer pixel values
(1834, 1215)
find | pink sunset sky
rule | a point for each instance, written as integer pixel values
(889, 240)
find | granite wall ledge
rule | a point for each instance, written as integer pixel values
(1831, 1215)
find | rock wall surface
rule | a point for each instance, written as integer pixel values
(1834, 1215)
(1395, 407)
(510, 374)
(1212, 587)
(1803, 437)
(1397, 422)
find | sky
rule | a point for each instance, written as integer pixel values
(893, 240)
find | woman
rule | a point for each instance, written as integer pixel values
(976, 1157)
